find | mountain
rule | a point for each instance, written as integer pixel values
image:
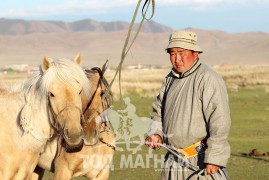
(21, 27)
(105, 41)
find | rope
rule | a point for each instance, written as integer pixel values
(221, 173)
(125, 49)
(180, 159)
(172, 150)
(127, 46)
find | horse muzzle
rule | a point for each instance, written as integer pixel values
(73, 138)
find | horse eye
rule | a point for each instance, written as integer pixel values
(51, 94)
(80, 92)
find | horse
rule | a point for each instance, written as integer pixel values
(94, 158)
(32, 112)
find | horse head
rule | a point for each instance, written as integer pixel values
(66, 86)
(101, 99)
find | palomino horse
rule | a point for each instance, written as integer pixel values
(32, 112)
(94, 158)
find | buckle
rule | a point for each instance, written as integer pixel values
(200, 147)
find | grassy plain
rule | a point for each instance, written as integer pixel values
(249, 104)
(249, 130)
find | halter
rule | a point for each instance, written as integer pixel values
(55, 116)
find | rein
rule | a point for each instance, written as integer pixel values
(109, 145)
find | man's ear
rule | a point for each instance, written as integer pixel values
(195, 54)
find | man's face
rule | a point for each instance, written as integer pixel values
(182, 59)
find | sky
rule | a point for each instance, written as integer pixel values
(232, 16)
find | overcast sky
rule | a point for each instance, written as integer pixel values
(232, 16)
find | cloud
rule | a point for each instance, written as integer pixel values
(210, 5)
(199, 2)
(70, 6)
(93, 7)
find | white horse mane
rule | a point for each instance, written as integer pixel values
(67, 71)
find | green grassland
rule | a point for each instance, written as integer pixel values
(249, 130)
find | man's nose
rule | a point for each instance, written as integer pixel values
(178, 57)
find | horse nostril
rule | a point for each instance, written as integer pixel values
(66, 132)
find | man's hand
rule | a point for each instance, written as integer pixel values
(152, 140)
(211, 169)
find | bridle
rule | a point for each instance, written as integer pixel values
(98, 84)
(53, 117)
(107, 99)
(105, 102)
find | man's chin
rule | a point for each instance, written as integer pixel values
(179, 69)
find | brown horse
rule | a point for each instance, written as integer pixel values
(94, 158)
(34, 111)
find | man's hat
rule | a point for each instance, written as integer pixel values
(185, 40)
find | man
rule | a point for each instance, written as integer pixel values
(191, 113)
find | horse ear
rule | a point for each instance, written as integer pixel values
(104, 68)
(78, 59)
(46, 63)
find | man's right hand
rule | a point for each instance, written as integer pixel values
(152, 140)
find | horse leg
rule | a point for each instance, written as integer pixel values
(38, 173)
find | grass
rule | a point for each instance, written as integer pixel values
(249, 130)
(143, 109)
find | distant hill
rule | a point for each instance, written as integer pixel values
(98, 41)
(21, 27)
